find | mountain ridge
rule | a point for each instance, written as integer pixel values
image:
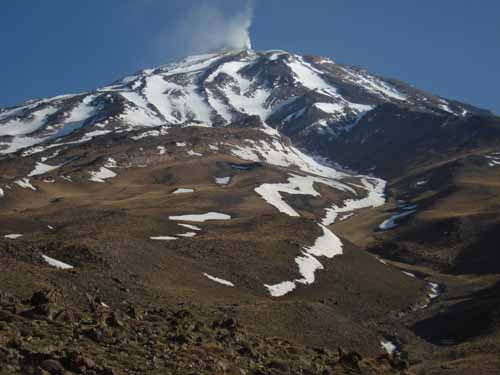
(212, 89)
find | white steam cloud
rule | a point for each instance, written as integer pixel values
(210, 27)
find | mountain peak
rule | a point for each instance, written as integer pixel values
(286, 91)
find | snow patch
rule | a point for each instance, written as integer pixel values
(56, 263)
(303, 185)
(222, 180)
(281, 289)
(187, 235)
(41, 168)
(375, 198)
(391, 223)
(25, 184)
(102, 174)
(151, 133)
(494, 160)
(192, 227)
(201, 217)
(310, 77)
(13, 236)
(163, 238)
(276, 153)
(183, 191)
(409, 274)
(193, 153)
(218, 280)
(388, 346)
(327, 245)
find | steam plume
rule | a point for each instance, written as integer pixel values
(210, 27)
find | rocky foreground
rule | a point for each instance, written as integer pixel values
(43, 335)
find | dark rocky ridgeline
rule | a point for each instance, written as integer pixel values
(43, 335)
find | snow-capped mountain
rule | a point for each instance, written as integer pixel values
(294, 94)
(208, 187)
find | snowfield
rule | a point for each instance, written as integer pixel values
(276, 153)
(376, 197)
(302, 185)
(327, 245)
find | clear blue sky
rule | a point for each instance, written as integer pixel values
(448, 47)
